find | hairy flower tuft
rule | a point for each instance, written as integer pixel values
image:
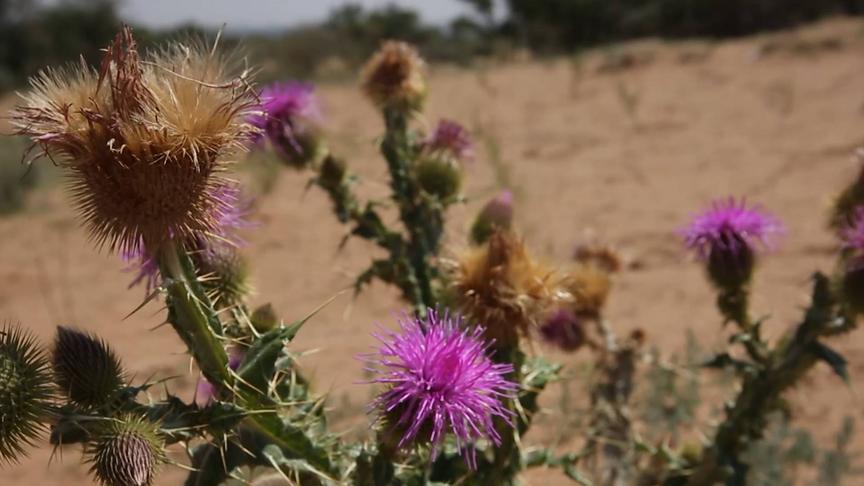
(501, 286)
(25, 391)
(145, 141)
(728, 236)
(452, 139)
(126, 452)
(85, 368)
(394, 79)
(440, 379)
(290, 121)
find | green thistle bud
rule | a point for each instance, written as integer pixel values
(85, 368)
(497, 213)
(439, 176)
(264, 318)
(126, 452)
(25, 391)
(224, 275)
(333, 172)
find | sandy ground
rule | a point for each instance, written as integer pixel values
(625, 155)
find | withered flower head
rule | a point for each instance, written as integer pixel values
(145, 141)
(589, 285)
(394, 79)
(500, 286)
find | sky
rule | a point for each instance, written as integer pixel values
(267, 14)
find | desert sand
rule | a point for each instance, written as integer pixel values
(621, 151)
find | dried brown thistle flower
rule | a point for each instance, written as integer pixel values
(589, 285)
(394, 77)
(500, 286)
(602, 256)
(145, 141)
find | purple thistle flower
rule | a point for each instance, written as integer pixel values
(289, 112)
(564, 330)
(452, 138)
(440, 379)
(728, 236)
(732, 227)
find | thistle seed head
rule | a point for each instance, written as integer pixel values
(500, 286)
(126, 452)
(86, 369)
(25, 391)
(394, 78)
(145, 142)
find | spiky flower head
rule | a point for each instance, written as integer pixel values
(451, 138)
(564, 330)
(126, 452)
(501, 286)
(440, 379)
(85, 368)
(598, 255)
(25, 391)
(224, 274)
(290, 120)
(394, 78)
(496, 214)
(145, 142)
(728, 236)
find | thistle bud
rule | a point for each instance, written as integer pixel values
(393, 78)
(589, 284)
(126, 452)
(333, 172)
(85, 368)
(496, 214)
(439, 176)
(25, 392)
(264, 318)
(852, 263)
(563, 330)
(224, 275)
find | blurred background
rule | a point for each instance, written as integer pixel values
(610, 120)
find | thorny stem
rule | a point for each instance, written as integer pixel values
(761, 390)
(422, 223)
(611, 441)
(188, 314)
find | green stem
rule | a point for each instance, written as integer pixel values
(192, 316)
(422, 222)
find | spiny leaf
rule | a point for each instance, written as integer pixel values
(833, 359)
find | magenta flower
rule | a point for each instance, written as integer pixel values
(730, 226)
(451, 138)
(728, 236)
(289, 120)
(440, 379)
(564, 330)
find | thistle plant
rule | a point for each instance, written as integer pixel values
(149, 139)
